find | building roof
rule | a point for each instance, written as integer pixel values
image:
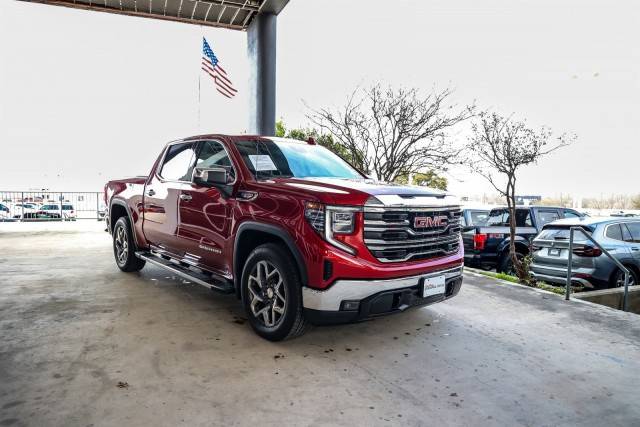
(232, 14)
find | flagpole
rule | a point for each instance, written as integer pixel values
(199, 77)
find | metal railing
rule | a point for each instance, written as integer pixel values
(69, 205)
(572, 230)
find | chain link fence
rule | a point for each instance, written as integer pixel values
(51, 205)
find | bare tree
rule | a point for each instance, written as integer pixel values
(395, 132)
(498, 148)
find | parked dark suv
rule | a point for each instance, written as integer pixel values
(487, 245)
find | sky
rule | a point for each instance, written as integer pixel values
(86, 97)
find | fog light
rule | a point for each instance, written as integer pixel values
(350, 305)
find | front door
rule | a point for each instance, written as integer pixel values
(206, 214)
(161, 197)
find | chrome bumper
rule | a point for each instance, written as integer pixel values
(561, 280)
(356, 290)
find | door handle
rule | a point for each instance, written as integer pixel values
(185, 197)
(151, 192)
(635, 249)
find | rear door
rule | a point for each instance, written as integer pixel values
(206, 214)
(161, 197)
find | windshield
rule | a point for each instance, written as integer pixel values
(557, 233)
(478, 217)
(271, 159)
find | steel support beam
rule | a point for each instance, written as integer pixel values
(261, 48)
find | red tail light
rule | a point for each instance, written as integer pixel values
(587, 251)
(479, 240)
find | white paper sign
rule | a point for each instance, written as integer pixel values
(262, 162)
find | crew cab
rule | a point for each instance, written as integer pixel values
(487, 245)
(298, 234)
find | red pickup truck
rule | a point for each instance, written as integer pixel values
(298, 234)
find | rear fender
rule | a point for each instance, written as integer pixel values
(522, 245)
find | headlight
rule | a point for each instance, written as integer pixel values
(314, 214)
(342, 222)
(331, 221)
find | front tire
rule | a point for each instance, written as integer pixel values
(124, 247)
(272, 295)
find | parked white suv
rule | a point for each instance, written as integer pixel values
(5, 212)
(55, 211)
(23, 210)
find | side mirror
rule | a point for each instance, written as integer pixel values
(210, 177)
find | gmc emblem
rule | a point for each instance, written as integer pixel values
(430, 221)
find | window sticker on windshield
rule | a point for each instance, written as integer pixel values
(262, 162)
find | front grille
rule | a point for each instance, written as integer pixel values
(391, 234)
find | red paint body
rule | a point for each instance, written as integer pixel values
(206, 225)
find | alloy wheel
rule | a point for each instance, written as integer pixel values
(620, 279)
(122, 245)
(267, 294)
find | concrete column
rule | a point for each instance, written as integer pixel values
(261, 47)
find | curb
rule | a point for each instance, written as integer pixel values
(475, 272)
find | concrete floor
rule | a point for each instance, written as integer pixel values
(72, 326)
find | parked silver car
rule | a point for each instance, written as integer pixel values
(590, 267)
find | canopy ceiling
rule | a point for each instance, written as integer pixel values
(232, 14)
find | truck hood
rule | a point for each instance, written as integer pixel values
(370, 192)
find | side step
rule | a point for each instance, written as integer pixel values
(201, 278)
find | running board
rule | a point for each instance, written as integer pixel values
(206, 280)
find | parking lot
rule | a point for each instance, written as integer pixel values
(84, 344)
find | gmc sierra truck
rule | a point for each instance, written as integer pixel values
(298, 234)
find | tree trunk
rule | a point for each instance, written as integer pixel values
(511, 204)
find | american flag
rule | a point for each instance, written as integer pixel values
(211, 65)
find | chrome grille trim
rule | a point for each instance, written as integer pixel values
(396, 240)
(378, 245)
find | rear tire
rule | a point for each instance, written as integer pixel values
(506, 264)
(618, 278)
(272, 294)
(124, 247)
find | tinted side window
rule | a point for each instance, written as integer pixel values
(634, 229)
(213, 155)
(178, 163)
(523, 218)
(498, 217)
(614, 232)
(545, 217)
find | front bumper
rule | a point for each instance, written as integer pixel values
(375, 297)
